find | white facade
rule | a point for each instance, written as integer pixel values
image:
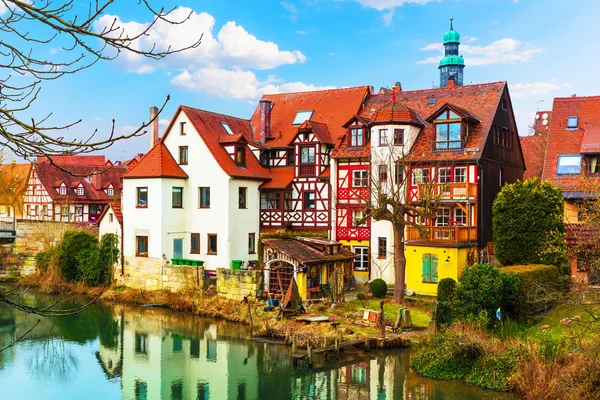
(109, 223)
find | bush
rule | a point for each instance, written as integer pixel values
(99, 270)
(73, 243)
(378, 288)
(479, 294)
(446, 290)
(538, 290)
(445, 301)
(43, 260)
(528, 224)
(493, 372)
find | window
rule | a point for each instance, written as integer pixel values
(182, 128)
(32, 210)
(177, 197)
(398, 137)
(460, 217)
(309, 200)
(291, 159)
(80, 191)
(504, 103)
(307, 155)
(212, 243)
(111, 191)
(203, 197)
(381, 247)
(79, 211)
(447, 131)
(501, 177)
(442, 217)
(141, 343)
(360, 178)
(195, 243)
(252, 243)
(399, 174)
(242, 197)
(64, 212)
(62, 191)
(141, 246)
(177, 344)
(110, 217)
(177, 390)
(141, 390)
(203, 391)
(227, 128)
(183, 155)
(211, 350)
(569, 165)
(593, 165)
(383, 137)
(142, 197)
(302, 116)
(270, 200)
(356, 137)
(194, 348)
(240, 156)
(361, 261)
(572, 122)
(460, 174)
(383, 173)
(429, 268)
(357, 216)
(420, 175)
(444, 175)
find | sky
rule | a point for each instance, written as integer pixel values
(542, 48)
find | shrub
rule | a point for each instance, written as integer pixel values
(538, 290)
(73, 243)
(43, 260)
(378, 288)
(494, 372)
(99, 270)
(445, 301)
(528, 224)
(479, 293)
(446, 290)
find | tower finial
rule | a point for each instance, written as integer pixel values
(451, 24)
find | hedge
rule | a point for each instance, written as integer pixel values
(540, 287)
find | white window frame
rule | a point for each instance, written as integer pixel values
(360, 178)
(417, 178)
(362, 259)
(357, 215)
(442, 212)
(80, 191)
(446, 175)
(111, 191)
(463, 174)
(460, 217)
(62, 190)
(383, 137)
(302, 115)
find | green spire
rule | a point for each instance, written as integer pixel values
(452, 60)
(451, 36)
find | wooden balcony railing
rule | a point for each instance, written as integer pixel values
(307, 169)
(445, 234)
(448, 191)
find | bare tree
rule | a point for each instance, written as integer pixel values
(30, 31)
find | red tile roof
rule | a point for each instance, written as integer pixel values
(209, 127)
(319, 129)
(157, 163)
(394, 111)
(116, 207)
(282, 178)
(77, 160)
(331, 107)
(534, 149)
(563, 141)
(479, 101)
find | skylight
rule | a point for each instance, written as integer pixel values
(569, 165)
(301, 116)
(572, 122)
(227, 128)
(431, 101)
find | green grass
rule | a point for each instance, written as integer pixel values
(556, 330)
(420, 318)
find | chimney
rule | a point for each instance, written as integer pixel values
(397, 88)
(153, 126)
(265, 120)
(451, 81)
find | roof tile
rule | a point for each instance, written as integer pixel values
(157, 163)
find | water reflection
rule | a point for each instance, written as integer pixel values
(146, 353)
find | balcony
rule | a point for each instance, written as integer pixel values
(442, 234)
(444, 145)
(8, 228)
(307, 170)
(448, 191)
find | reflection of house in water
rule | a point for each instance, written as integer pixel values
(110, 353)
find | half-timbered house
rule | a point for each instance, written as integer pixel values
(71, 188)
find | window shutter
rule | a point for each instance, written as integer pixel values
(434, 268)
(426, 267)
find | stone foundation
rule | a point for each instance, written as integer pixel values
(234, 284)
(153, 274)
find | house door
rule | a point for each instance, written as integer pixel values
(177, 248)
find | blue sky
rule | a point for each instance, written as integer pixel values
(542, 48)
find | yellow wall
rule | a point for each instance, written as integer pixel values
(301, 282)
(457, 262)
(362, 276)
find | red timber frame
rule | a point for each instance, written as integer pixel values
(451, 194)
(350, 198)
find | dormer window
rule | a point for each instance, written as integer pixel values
(240, 156)
(227, 128)
(301, 116)
(80, 191)
(572, 122)
(62, 190)
(448, 126)
(357, 137)
(569, 164)
(110, 191)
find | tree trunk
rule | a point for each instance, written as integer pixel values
(399, 263)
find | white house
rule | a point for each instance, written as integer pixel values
(111, 221)
(195, 194)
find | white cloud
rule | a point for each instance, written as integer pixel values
(163, 123)
(236, 84)
(301, 32)
(503, 51)
(387, 17)
(535, 89)
(289, 7)
(232, 47)
(381, 5)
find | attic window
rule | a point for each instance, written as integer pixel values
(301, 116)
(240, 156)
(569, 165)
(431, 101)
(448, 127)
(111, 191)
(80, 191)
(572, 122)
(62, 191)
(227, 128)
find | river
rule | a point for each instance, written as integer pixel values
(138, 353)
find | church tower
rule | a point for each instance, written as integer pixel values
(452, 65)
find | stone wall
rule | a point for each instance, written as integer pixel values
(234, 284)
(153, 274)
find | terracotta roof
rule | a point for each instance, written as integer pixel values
(306, 254)
(325, 174)
(563, 141)
(480, 101)
(76, 160)
(319, 129)
(157, 163)
(116, 207)
(534, 149)
(231, 138)
(209, 127)
(591, 140)
(582, 234)
(394, 111)
(282, 178)
(331, 107)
